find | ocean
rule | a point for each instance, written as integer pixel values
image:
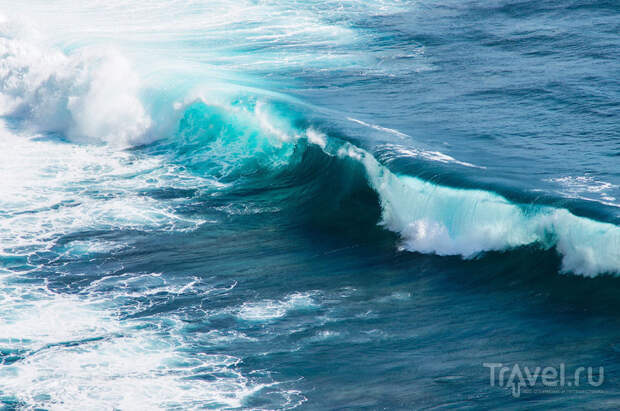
(307, 204)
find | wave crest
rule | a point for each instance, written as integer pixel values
(450, 221)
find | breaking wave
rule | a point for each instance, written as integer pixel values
(94, 97)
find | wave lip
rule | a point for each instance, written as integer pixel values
(450, 221)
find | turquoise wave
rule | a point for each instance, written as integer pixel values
(255, 143)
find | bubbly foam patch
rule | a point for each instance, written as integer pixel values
(269, 310)
(76, 353)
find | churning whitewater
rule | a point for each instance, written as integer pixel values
(201, 204)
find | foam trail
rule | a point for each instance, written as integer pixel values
(449, 221)
(379, 128)
(402, 151)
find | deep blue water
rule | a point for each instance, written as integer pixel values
(308, 204)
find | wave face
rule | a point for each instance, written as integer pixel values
(227, 141)
(201, 205)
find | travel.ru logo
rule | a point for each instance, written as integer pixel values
(553, 379)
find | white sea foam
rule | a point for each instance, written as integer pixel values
(88, 96)
(45, 196)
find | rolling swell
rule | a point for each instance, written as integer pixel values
(336, 184)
